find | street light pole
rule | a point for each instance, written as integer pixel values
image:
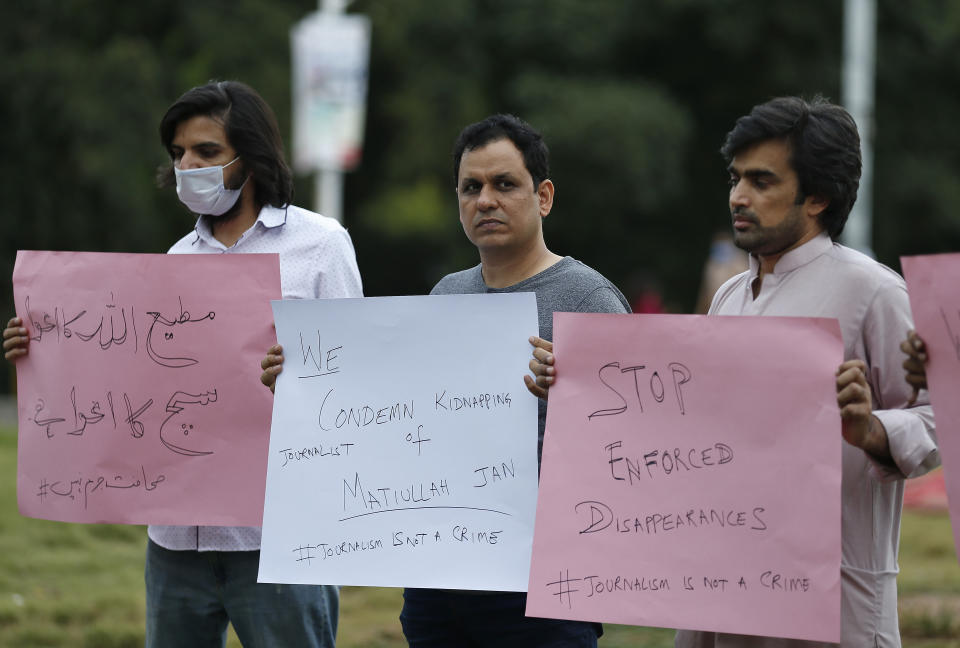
(859, 72)
(328, 183)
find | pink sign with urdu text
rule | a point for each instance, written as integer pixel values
(933, 282)
(691, 475)
(139, 399)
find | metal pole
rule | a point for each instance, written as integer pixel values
(328, 187)
(859, 71)
(328, 183)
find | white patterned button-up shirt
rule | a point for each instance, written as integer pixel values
(316, 261)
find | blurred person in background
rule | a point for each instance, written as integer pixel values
(501, 169)
(794, 172)
(724, 260)
(643, 292)
(228, 167)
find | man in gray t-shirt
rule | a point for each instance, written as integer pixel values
(501, 168)
(567, 286)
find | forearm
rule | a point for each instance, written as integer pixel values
(876, 443)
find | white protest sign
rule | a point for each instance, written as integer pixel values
(403, 448)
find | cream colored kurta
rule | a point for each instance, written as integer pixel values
(824, 279)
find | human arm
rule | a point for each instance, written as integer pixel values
(915, 364)
(272, 365)
(15, 339)
(541, 366)
(910, 427)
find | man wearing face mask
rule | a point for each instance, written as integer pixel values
(228, 167)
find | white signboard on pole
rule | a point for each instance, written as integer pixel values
(329, 62)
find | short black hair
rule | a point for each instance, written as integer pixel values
(824, 150)
(536, 156)
(251, 129)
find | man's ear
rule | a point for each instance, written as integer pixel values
(815, 205)
(545, 197)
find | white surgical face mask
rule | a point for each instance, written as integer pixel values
(202, 190)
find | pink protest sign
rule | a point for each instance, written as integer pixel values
(933, 282)
(691, 475)
(139, 399)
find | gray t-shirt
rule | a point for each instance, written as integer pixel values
(567, 286)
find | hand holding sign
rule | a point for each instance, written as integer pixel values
(916, 364)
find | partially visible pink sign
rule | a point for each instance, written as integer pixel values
(139, 399)
(691, 475)
(933, 282)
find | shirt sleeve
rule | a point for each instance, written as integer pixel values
(602, 299)
(910, 430)
(338, 275)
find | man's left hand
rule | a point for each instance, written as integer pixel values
(541, 366)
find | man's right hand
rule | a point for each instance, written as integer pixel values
(15, 339)
(272, 365)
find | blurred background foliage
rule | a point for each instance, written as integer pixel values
(633, 97)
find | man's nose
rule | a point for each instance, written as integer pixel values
(738, 196)
(487, 199)
(189, 161)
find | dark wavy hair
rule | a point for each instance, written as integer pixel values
(824, 150)
(251, 129)
(536, 156)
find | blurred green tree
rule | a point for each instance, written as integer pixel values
(634, 99)
(84, 86)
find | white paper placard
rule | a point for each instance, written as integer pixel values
(403, 447)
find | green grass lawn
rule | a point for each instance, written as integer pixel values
(81, 585)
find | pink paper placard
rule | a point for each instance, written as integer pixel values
(933, 282)
(139, 400)
(691, 475)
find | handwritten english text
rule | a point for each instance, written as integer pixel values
(599, 517)
(664, 462)
(611, 374)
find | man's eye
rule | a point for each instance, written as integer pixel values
(732, 181)
(469, 188)
(505, 184)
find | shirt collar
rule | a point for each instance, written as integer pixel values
(269, 217)
(798, 256)
(272, 216)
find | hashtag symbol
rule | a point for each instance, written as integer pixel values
(304, 553)
(42, 494)
(564, 587)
